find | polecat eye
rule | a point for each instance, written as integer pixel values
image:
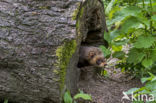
(92, 54)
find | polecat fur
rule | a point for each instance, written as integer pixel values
(91, 56)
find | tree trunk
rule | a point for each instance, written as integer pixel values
(39, 44)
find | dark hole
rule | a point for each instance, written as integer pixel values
(92, 38)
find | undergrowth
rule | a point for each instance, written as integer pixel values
(132, 24)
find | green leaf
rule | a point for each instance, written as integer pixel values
(83, 96)
(67, 97)
(6, 101)
(151, 85)
(141, 89)
(114, 34)
(153, 79)
(125, 13)
(107, 37)
(143, 80)
(116, 48)
(154, 17)
(119, 54)
(131, 10)
(113, 11)
(144, 20)
(152, 75)
(147, 62)
(135, 56)
(132, 90)
(144, 91)
(110, 5)
(105, 51)
(144, 41)
(138, 102)
(130, 23)
(123, 70)
(104, 73)
(153, 55)
(120, 42)
(154, 94)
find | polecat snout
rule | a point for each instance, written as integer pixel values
(91, 56)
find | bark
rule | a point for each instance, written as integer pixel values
(39, 44)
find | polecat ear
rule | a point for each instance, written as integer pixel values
(92, 54)
(100, 52)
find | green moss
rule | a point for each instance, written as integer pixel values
(55, 71)
(77, 24)
(81, 11)
(76, 12)
(64, 54)
(74, 15)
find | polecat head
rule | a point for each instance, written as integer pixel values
(96, 58)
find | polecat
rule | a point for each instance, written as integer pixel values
(91, 56)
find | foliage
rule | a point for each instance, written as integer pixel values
(105, 51)
(68, 98)
(133, 23)
(148, 89)
(6, 101)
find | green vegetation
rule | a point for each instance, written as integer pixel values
(149, 89)
(6, 101)
(75, 13)
(68, 98)
(132, 23)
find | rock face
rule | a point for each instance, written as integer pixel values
(39, 44)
